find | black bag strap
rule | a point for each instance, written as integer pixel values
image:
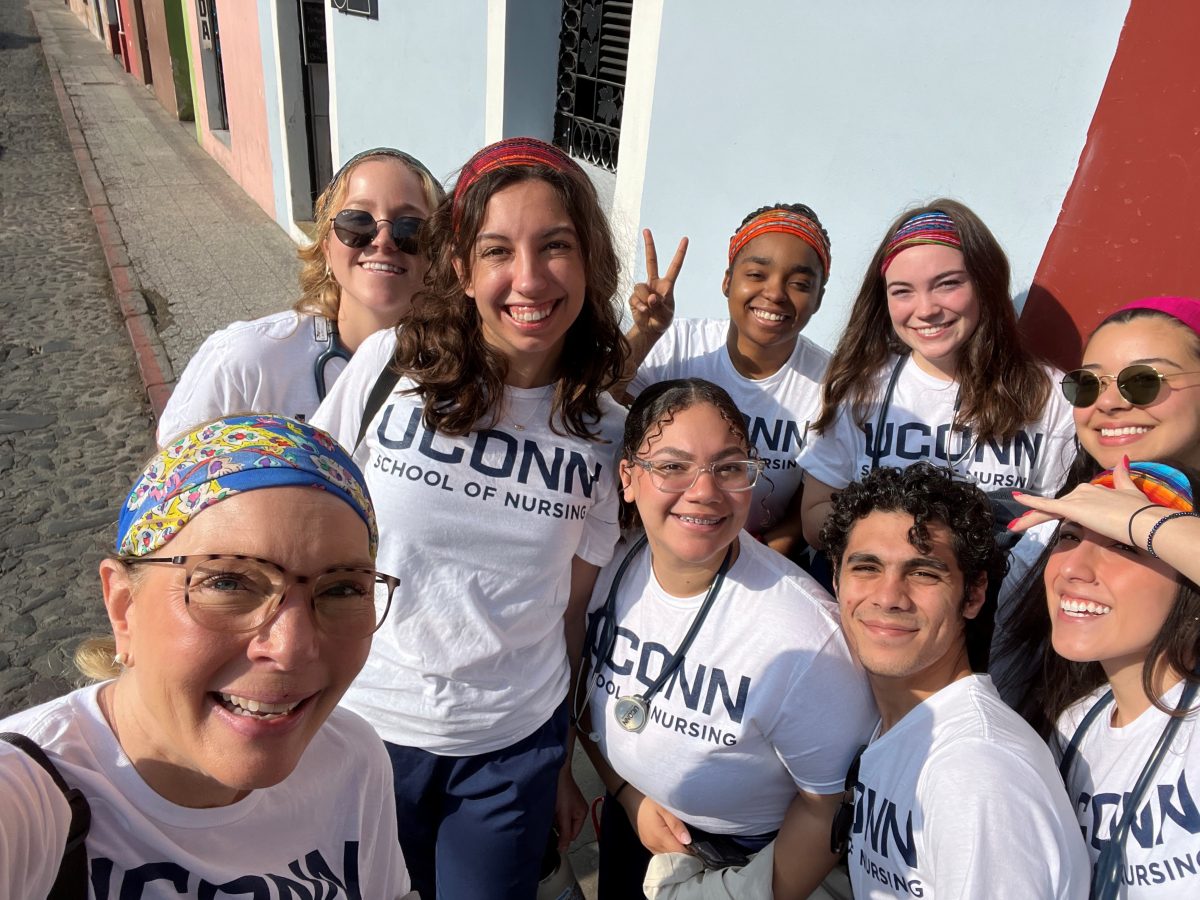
(72, 880)
(380, 391)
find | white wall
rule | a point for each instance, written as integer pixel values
(415, 79)
(859, 110)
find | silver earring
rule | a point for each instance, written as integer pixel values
(121, 660)
(328, 271)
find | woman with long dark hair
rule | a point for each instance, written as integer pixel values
(1113, 632)
(931, 367)
(490, 443)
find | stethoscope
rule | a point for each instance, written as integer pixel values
(952, 461)
(325, 332)
(633, 712)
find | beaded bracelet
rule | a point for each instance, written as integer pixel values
(1159, 524)
(1136, 512)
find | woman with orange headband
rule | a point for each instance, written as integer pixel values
(778, 268)
(931, 367)
(489, 444)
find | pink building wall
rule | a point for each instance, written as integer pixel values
(244, 150)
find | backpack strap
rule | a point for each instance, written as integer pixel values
(380, 391)
(71, 883)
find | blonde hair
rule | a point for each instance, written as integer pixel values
(320, 294)
(94, 658)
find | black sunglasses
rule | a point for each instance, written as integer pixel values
(843, 819)
(1140, 385)
(356, 228)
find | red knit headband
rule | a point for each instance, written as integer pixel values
(518, 151)
(786, 222)
(927, 228)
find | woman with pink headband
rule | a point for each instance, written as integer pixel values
(931, 367)
(778, 268)
(489, 443)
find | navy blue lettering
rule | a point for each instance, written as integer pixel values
(532, 453)
(404, 442)
(453, 455)
(759, 436)
(135, 880)
(649, 648)
(504, 470)
(921, 432)
(577, 468)
(691, 692)
(253, 885)
(882, 828)
(736, 709)
(1002, 451)
(101, 877)
(625, 667)
(1185, 815)
(1028, 445)
(792, 436)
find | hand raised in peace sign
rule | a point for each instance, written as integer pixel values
(652, 302)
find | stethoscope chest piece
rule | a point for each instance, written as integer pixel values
(631, 713)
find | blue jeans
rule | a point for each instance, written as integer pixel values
(476, 826)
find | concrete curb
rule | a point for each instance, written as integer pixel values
(153, 365)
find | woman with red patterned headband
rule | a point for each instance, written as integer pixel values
(778, 268)
(931, 367)
(489, 443)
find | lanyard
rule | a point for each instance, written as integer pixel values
(633, 712)
(881, 419)
(1106, 877)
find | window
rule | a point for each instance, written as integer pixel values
(593, 52)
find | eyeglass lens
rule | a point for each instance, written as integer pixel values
(1138, 384)
(237, 595)
(356, 228)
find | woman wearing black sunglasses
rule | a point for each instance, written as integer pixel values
(358, 276)
(1136, 396)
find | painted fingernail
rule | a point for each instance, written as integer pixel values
(1125, 460)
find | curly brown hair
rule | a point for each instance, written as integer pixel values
(441, 346)
(320, 294)
(1003, 385)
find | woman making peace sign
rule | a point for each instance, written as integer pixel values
(778, 268)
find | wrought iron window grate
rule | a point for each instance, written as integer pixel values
(593, 52)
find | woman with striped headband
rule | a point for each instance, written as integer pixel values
(1116, 624)
(931, 367)
(490, 448)
(357, 275)
(211, 755)
(778, 267)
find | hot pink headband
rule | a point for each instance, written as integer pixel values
(1185, 309)
(926, 228)
(787, 222)
(518, 151)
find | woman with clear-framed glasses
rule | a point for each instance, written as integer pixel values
(209, 755)
(709, 658)
(357, 276)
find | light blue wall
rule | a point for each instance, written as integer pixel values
(414, 79)
(267, 34)
(861, 109)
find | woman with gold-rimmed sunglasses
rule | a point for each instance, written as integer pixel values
(357, 276)
(709, 659)
(243, 598)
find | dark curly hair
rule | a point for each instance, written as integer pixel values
(928, 493)
(441, 345)
(655, 408)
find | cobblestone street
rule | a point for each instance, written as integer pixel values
(74, 424)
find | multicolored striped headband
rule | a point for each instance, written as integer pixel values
(1162, 484)
(926, 228)
(227, 457)
(787, 222)
(517, 151)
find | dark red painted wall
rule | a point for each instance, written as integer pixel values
(1130, 223)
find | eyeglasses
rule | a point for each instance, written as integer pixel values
(239, 594)
(843, 819)
(356, 228)
(677, 476)
(1139, 384)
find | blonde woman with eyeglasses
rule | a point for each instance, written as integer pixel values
(210, 756)
(709, 658)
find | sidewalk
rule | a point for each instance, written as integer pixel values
(189, 251)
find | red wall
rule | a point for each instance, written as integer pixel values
(1130, 222)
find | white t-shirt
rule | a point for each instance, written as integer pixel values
(767, 700)
(481, 531)
(267, 365)
(961, 799)
(777, 408)
(331, 822)
(917, 427)
(1162, 850)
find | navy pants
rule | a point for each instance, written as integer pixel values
(476, 826)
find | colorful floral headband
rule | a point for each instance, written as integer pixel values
(926, 228)
(1162, 484)
(787, 222)
(227, 457)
